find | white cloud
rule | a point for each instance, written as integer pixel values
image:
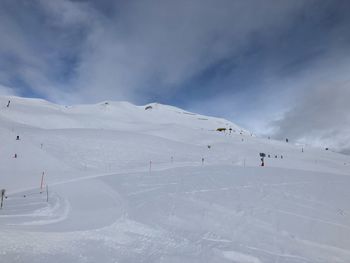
(156, 46)
(321, 116)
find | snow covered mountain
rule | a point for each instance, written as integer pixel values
(115, 182)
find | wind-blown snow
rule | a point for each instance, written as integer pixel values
(127, 184)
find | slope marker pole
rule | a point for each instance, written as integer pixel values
(47, 193)
(42, 181)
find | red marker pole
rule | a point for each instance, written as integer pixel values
(42, 181)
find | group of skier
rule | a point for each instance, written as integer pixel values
(263, 155)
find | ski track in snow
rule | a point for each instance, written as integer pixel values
(161, 189)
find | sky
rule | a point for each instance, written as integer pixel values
(279, 68)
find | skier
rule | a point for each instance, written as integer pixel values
(2, 197)
(262, 161)
(17, 138)
(8, 104)
(15, 156)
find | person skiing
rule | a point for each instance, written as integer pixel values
(2, 197)
(8, 104)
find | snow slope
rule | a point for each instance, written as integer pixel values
(127, 184)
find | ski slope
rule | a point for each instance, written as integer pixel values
(126, 184)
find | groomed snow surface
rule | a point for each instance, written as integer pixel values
(125, 184)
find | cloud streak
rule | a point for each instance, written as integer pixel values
(143, 48)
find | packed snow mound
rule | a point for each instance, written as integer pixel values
(105, 115)
(85, 139)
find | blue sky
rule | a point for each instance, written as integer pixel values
(261, 64)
